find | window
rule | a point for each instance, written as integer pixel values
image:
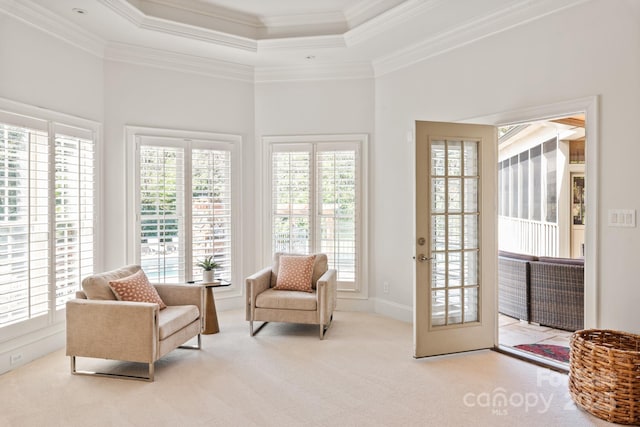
(185, 199)
(504, 188)
(47, 214)
(316, 201)
(524, 185)
(550, 154)
(536, 166)
(527, 183)
(514, 186)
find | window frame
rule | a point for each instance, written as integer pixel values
(326, 143)
(54, 123)
(189, 140)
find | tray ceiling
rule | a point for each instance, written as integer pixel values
(379, 35)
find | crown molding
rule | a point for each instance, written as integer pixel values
(296, 20)
(361, 11)
(386, 21)
(144, 21)
(329, 71)
(302, 43)
(207, 9)
(178, 62)
(54, 25)
(470, 32)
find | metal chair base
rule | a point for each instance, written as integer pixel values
(148, 378)
(251, 331)
(323, 328)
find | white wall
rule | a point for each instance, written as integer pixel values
(591, 49)
(35, 70)
(153, 97)
(43, 71)
(312, 108)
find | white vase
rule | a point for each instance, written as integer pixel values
(207, 276)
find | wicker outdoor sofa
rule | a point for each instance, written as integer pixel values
(543, 290)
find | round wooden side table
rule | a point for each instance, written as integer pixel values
(210, 315)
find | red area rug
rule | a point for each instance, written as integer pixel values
(555, 352)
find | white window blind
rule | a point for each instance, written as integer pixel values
(185, 203)
(212, 210)
(292, 201)
(47, 199)
(162, 202)
(316, 203)
(74, 214)
(24, 219)
(337, 210)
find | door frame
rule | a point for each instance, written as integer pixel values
(590, 106)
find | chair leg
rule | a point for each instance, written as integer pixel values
(253, 332)
(324, 329)
(193, 347)
(148, 378)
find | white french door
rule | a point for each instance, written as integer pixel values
(456, 241)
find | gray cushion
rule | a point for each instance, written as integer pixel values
(564, 261)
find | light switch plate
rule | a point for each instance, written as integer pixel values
(622, 218)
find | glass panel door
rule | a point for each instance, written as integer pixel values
(456, 239)
(454, 232)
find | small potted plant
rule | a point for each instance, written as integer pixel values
(208, 265)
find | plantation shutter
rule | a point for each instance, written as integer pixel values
(316, 203)
(211, 210)
(74, 215)
(24, 219)
(162, 186)
(291, 203)
(337, 169)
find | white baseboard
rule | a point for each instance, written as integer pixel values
(393, 310)
(354, 304)
(381, 306)
(18, 352)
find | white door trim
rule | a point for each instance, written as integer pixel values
(591, 107)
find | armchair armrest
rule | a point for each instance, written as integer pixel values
(327, 287)
(119, 330)
(256, 283)
(181, 295)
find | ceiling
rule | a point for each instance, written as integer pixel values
(277, 37)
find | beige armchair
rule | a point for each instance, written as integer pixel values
(100, 326)
(266, 304)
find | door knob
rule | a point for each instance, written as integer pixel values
(423, 258)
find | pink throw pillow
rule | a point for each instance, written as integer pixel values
(136, 288)
(295, 273)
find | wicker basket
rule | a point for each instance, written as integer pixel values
(604, 374)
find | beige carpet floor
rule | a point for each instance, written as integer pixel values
(362, 374)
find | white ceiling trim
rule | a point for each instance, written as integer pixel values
(302, 43)
(389, 19)
(370, 28)
(52, 24)
(362, 11)
(178, 62)
(470, 32)
(202, 8)
(303, 19)
(141, 20)
(341, 71)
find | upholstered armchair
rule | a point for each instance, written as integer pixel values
(101, 325)
(273, 297)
